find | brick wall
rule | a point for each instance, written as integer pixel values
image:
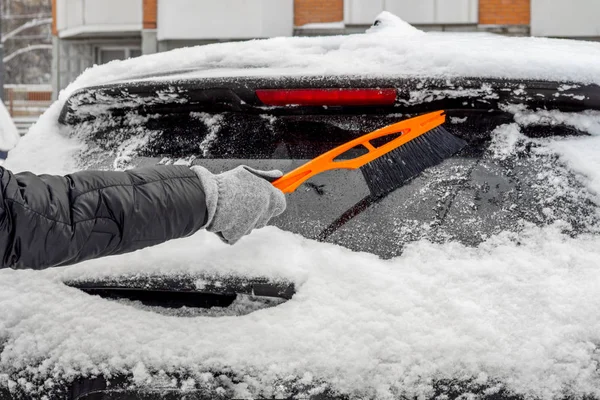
(312, 11)
(505, 12)
(150, 11)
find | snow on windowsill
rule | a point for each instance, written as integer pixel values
(322, 25)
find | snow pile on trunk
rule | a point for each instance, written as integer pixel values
(519, 311)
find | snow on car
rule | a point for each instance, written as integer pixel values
(9, 135)
(478, 278)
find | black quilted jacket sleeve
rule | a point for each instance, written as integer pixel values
(49, 221)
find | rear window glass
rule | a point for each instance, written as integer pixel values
(228, 135)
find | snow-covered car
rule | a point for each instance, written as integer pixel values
(283, 101)
(478, 279)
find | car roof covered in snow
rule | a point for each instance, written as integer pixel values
(390, 48)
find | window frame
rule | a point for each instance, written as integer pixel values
(127, 50)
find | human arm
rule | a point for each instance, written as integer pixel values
(49, 220)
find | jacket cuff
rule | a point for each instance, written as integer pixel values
(211, 191)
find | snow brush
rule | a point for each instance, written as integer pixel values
(395, 154)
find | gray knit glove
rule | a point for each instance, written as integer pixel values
(240, 200)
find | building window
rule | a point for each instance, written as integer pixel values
(106, 54)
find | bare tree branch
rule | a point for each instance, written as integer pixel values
(27, 50)
(30, 24)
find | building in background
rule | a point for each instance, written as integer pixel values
(26, 37)
(88, 32)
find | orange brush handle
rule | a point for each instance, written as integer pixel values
(409, 129)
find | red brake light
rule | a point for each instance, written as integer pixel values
(327, 97)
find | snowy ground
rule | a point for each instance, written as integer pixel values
(519, 312)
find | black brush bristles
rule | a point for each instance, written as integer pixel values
(393, 170)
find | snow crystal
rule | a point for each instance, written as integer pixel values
(213, 123)
(458, 120)
(140, 374)
(505, 139)
(188, 161)
(426, 95)
(126, 151)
